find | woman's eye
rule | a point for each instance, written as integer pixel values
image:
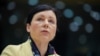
(51, 21)
(39, 19)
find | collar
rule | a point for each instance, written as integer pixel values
(50, 49)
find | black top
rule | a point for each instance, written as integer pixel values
(50, 49)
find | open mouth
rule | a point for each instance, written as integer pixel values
(45, 31)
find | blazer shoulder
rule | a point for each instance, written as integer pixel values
(11, 50)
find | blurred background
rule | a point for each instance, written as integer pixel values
(79, 26)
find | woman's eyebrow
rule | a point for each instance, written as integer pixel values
(44, 16)
(41, 15)
(51, 17)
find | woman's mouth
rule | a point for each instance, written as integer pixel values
(45, 31)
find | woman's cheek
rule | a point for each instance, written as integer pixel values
(53, 32)
(34, 27)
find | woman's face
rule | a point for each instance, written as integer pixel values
(43, 26)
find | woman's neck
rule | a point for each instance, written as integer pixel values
(42, 47)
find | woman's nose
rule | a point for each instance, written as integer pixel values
(46, 23)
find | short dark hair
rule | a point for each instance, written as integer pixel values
(40, 8)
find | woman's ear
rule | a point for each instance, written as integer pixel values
(28, 27)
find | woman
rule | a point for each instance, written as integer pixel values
(41, 26)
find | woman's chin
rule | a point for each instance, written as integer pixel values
(45, 38)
